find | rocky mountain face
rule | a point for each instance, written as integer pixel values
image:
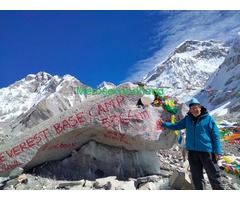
(189, 66)
(34, 99)
(224, 100)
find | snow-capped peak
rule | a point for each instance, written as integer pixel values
(107, 85)
(188, 66)
(23, 95)
(225, 83)
(43, 76)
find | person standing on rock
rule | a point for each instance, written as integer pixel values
(202, 143)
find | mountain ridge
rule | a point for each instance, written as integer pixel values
(188, 66)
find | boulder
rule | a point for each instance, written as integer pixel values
(181, 180)
(95, 161)
(111, 120)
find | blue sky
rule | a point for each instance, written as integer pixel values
(101, 45)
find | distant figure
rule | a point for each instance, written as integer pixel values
(202, 143)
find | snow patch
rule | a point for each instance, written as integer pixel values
(220, 111)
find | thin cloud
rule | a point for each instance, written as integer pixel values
(175, 27)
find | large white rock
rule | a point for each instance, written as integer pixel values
(112, 120)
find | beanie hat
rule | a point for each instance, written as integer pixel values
(194, 102)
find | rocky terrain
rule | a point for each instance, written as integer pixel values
(174, 175)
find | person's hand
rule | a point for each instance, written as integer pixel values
(218, 157)
(160, 122)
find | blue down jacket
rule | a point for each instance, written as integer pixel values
(200, 136)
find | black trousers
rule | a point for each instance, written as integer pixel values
(199, 160)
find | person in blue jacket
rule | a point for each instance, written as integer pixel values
(202, 143)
